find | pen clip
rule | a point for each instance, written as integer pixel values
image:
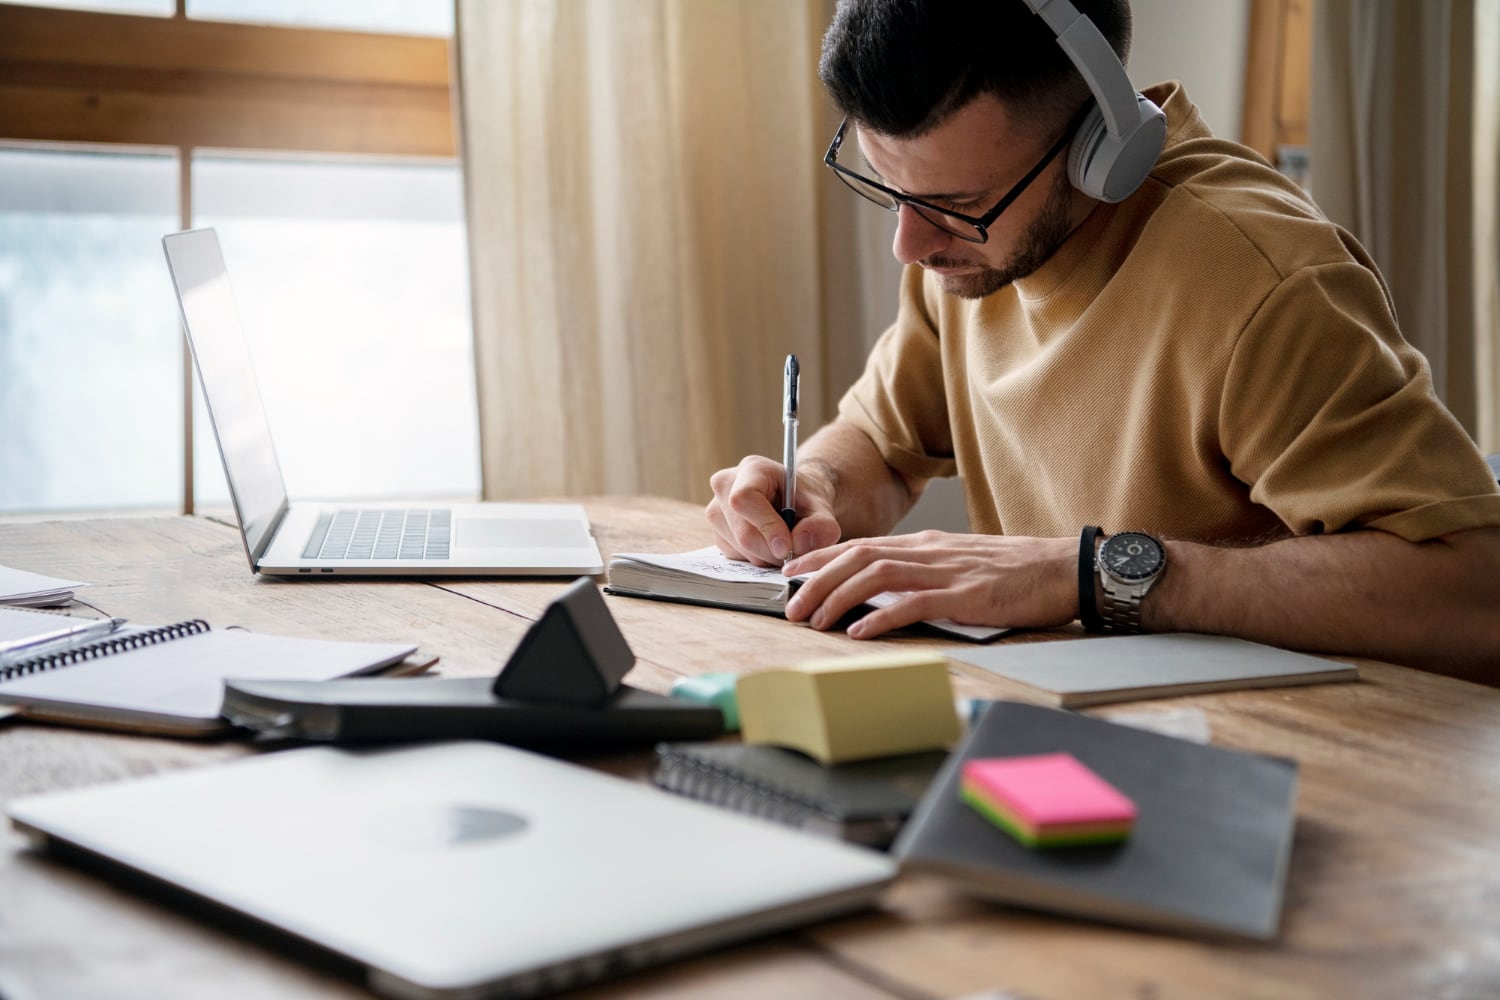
(790, 391)
(791, 388)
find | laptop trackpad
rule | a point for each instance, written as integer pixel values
(519, 533)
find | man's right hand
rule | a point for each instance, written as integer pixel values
(744, 512)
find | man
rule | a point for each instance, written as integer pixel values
(1209, 362)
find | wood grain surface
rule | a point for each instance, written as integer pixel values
(1394, 886)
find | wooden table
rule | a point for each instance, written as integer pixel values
(1394, 888)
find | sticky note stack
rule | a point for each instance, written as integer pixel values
(846, 708)
(1047, 800)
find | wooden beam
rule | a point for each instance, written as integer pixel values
(1262, 77)
(1278, 74)
(167, 43)
(75, 76)
(1296, 74)
(374, 121)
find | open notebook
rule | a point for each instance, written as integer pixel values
(707, 576)
(170, 679)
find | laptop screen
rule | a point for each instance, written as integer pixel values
(227, 377)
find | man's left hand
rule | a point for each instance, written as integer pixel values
(993, 580)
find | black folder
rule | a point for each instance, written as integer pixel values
(382, 711)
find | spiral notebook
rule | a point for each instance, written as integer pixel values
(170, 680)
(864, 802)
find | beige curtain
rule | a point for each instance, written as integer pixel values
(651, 233)
(1403, 148)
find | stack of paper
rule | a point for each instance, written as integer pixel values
(22, 589)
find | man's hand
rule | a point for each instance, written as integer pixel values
(972, 579)
(744, 512)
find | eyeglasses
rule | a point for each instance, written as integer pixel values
(973, 228)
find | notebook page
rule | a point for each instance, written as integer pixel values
(18, 625)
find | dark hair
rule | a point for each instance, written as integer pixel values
(900, 67)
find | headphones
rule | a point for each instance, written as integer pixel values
(1120, 138)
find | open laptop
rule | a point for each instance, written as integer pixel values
(461, 869)
(410, 538)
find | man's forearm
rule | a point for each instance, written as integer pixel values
(1430, 604)
(869, 496)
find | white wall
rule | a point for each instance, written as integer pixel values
(1199, 42)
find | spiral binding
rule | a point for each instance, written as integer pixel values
(720, 786)
(102, 648)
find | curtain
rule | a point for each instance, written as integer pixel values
(651, 233)
(1403, 149)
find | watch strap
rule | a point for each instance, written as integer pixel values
(1122, 615)
(1088, 607)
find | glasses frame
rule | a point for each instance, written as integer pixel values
(981, 223)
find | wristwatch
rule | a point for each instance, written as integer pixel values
(1129, 563)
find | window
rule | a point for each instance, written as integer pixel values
(402, 17)
(406, 17)
(160, 8)
(90, 395)
(325, 159)
(352, 284)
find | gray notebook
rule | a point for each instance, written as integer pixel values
(1208, 855)
(1132, 667)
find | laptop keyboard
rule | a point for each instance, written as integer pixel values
(380, 534)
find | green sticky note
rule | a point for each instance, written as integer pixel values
(712, 689)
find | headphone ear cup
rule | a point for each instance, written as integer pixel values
(1084, 150)
(1110, 168)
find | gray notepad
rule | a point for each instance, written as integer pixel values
(1133, 667)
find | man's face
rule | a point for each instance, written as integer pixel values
(967, 164)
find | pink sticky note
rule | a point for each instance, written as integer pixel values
(1049, 790)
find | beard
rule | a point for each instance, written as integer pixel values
(1038, 242)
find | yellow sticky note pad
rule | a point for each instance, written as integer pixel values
(850, 708)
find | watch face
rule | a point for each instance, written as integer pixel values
(1132, 556)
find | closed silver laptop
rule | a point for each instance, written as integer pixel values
(319, 539)
(463, 869)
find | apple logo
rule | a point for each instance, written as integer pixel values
(439, 826)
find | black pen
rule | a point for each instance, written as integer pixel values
(789, 441)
